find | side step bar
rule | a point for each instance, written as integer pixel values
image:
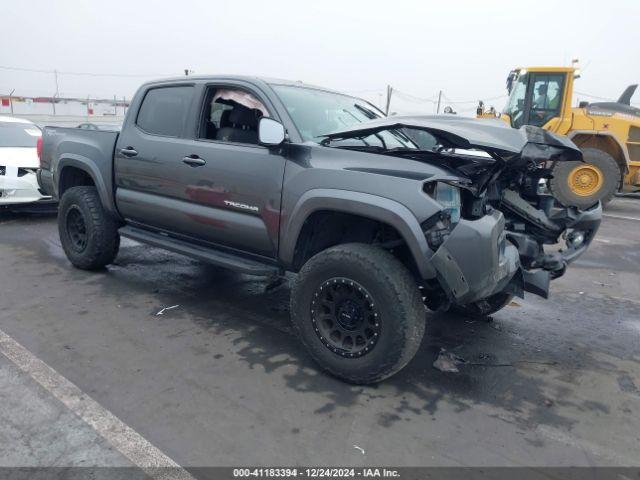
(215, 257)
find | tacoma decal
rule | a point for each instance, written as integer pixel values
(242, 206)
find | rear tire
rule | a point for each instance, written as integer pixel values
(358, 311)
(89, 235)
(606, 173)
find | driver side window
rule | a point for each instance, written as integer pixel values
(231, 115)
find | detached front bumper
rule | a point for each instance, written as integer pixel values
(578, 231)
(581, 224)
(16, 189)
(480, 258)
(476, 260)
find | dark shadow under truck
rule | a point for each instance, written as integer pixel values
(266, 176)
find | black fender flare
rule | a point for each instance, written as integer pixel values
(363, 204)
(86, 165)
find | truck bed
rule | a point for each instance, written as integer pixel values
(91, 150)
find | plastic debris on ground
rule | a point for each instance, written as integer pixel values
(447, 362)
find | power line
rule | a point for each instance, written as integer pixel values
(433, 99)
(414, 97)
(601, 98)
(357, 92)
(88, 74)
(594, 96)
(461, 102)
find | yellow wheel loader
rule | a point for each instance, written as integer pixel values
(608, 133)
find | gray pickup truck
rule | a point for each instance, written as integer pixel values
(378, 216)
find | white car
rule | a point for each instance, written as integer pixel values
(19, 162)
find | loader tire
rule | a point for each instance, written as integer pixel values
(582, 184)
(359, 312)
(89, 235)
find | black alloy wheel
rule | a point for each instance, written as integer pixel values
(76, 228)
(88, 233)
(345, 317)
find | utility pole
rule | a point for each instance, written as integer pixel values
(439, 99)
(389, 92)
(115, 106)
(55, 95)
(11, 100)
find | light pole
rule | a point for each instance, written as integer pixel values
(55, 95)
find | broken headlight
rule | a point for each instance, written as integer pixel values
(447, 196)
(438, 227)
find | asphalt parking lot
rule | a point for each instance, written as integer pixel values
(218, 377)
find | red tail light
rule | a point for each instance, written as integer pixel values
(39, 149)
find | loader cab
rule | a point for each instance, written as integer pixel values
(538, 97)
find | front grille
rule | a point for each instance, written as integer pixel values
(3, 170)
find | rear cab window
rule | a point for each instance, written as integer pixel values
(164, 110)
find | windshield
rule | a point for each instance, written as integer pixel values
(515, 104)
(18, 134)
(316, 113)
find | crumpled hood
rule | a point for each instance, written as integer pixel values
(493, 136)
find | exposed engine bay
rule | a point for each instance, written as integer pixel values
(496, 190)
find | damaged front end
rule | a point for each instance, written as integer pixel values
(499, 230)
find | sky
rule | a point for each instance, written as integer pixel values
(464, 48)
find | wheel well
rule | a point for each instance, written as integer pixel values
(605, 143)
(327, 228)
(73, 177)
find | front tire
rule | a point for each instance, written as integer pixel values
(89, 235)
(358, 311)
(581, 184)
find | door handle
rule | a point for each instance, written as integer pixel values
(194, 161)
(128, 152)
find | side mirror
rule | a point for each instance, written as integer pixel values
(270, 132)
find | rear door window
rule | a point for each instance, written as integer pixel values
(164, 110)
